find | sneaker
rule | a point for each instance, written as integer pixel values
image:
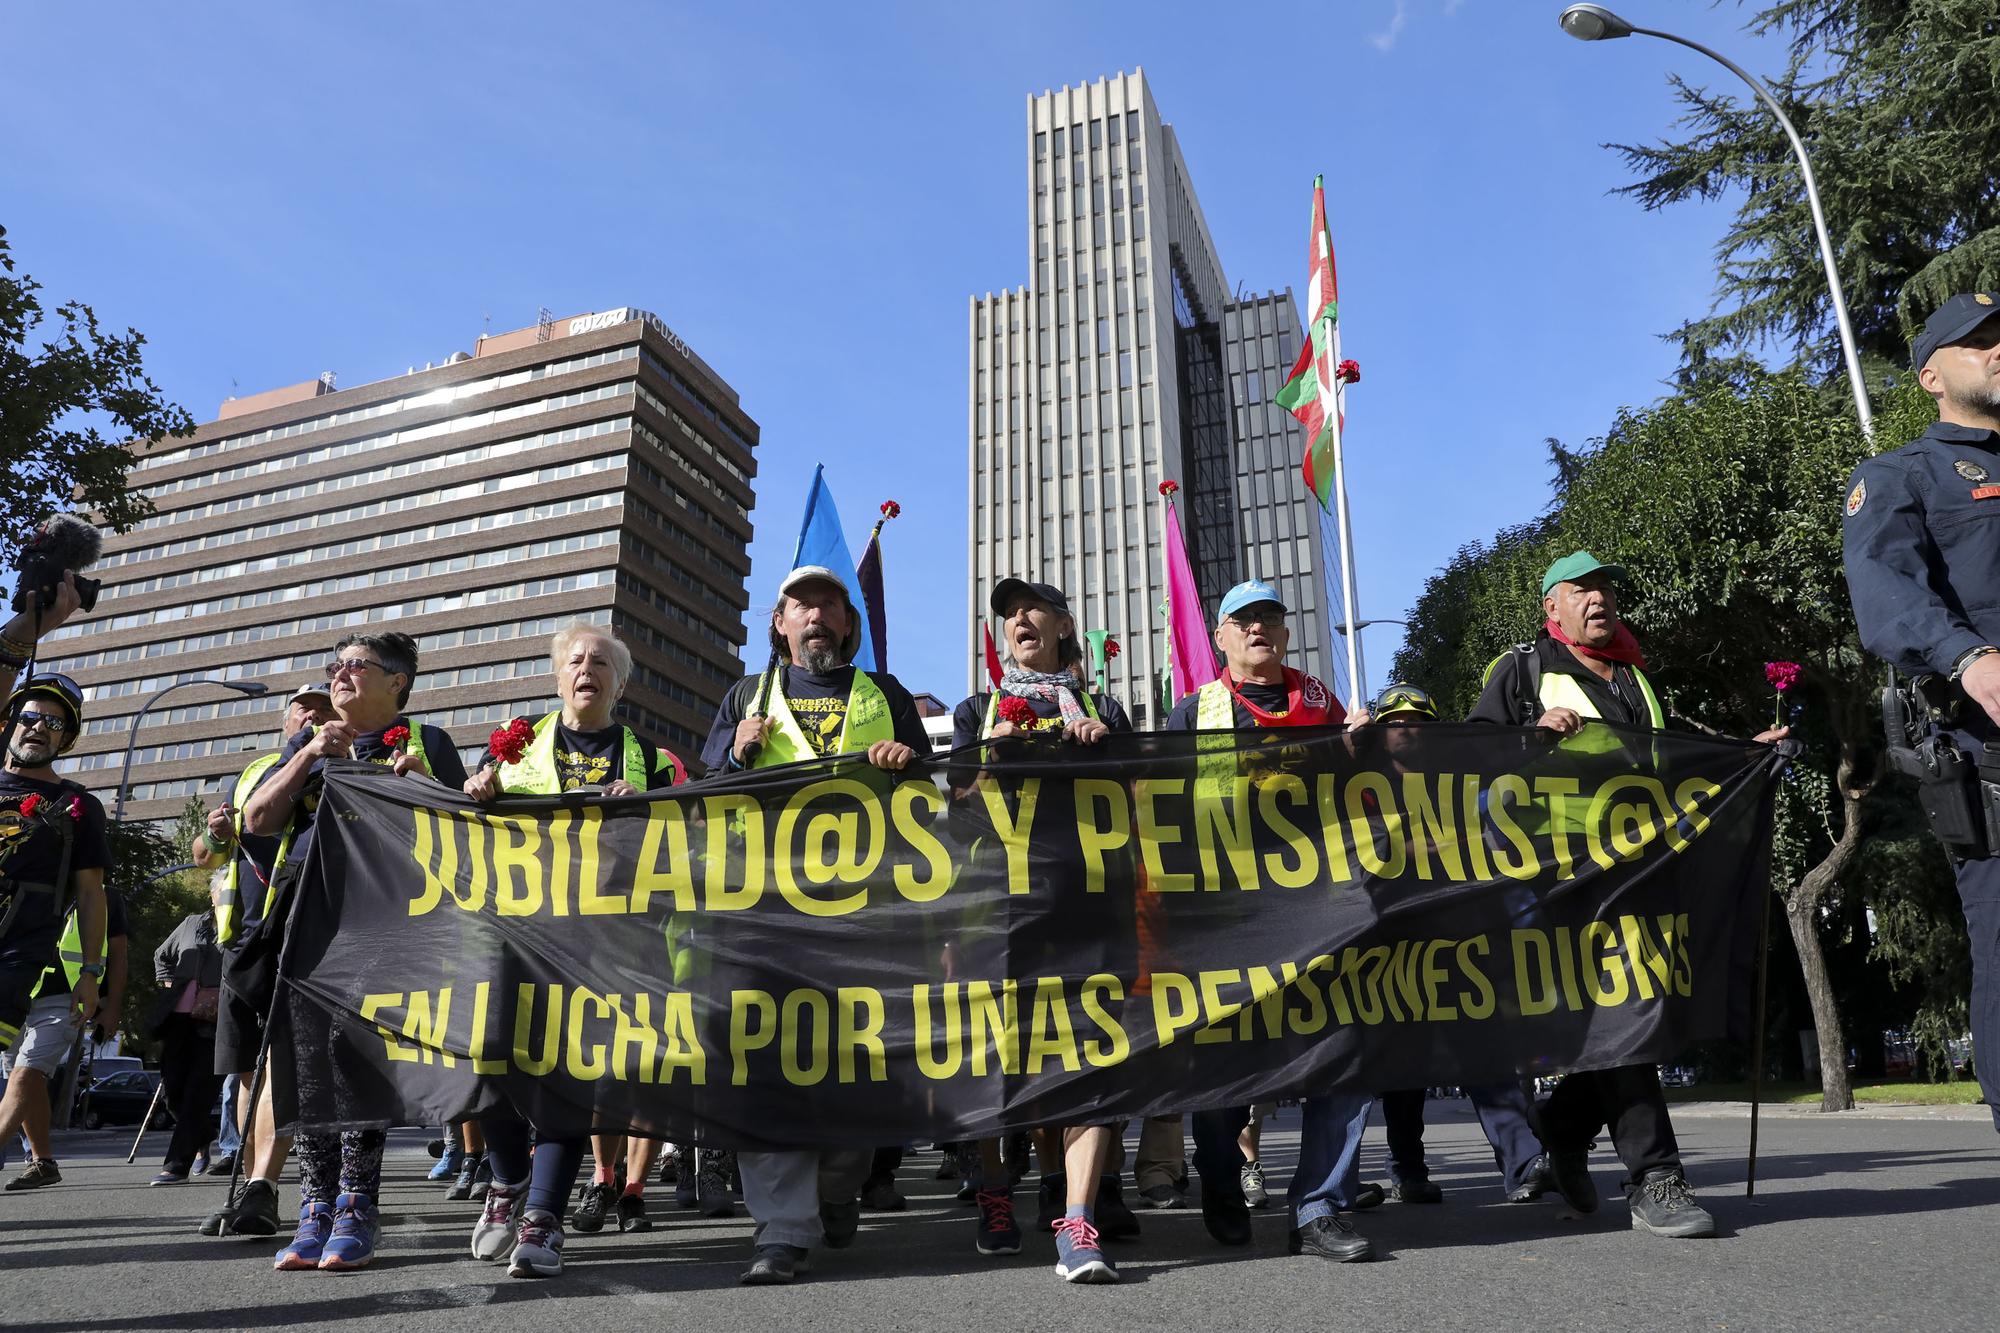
(1333, 1238)
(1370, 1195)
(255, 1213)
(1114, 1220)
(712, 1185)
(839, 1222)
(449, 1160)
(999, 1233)
(773, 1265)
(1160, 1196)
(351, 1245)
(1538, 1180)
(1416, 1189)
(589, 1215)
(1079, 1255)
(169, 1176)
(37, 1173)
(1051, 1201)
(1251, 1179)
(881, 1196)
(493, 1233)
(1226, 1216)
(222, 1166)
(948, 1167)
(538, 1252)
(309, 1241)
(1571, 1172)
(1663, 1204)
(632, 1213)
(684, 1178)
(1018, 1153)
(473, 1178)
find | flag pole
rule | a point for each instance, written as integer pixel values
(1356, 680)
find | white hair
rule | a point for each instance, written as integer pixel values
(621, 656)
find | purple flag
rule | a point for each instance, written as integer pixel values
(1187, 626)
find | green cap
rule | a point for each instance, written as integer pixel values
(1574, 566)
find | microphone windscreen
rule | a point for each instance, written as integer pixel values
(70, 542)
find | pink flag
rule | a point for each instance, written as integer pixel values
(1187, 624)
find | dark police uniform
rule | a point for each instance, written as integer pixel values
(1923, 568)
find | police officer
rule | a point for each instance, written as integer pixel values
(1923, 565)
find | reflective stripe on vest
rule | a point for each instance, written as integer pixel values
(228, 899)
(867, 721)
(536, 774)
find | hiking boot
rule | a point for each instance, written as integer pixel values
(772, 1265)
(493, 1233)
(1370, 1195)
(1415, 1189)
(881, 1196)
(449, 1160)
(999, 1233)
(1333, 1238)
(538, 1251)
(684, 1178)
(351, 1246)
(255, 1213)
(1536, 1181)
(1663, 1204)
(1114, 1220)
(1571, 1172)
(1049, 1201)
(839, 1222)
(309, 1241)
(1080, 1254)
(712, 1185)
(473, 1175)
(37, 1173)
(1251, 1179)
(589, 1215)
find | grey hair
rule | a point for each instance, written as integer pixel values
(621, 656)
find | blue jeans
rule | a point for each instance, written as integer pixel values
(230, 1139)
(1503, 1114)
(1329, 1170)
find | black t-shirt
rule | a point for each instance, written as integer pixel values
(439, 753)
(819, 704)
(596, 758)
(114, 914)
(31, 852)
(1506, 698)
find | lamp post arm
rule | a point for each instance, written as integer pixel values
(132, 741)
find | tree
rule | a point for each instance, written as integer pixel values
(1899, 104)
(68, 408)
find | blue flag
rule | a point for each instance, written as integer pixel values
(821, 542)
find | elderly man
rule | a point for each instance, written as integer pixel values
(369, 681)
(811, 704)
(1586, 667)
(1258, 692)
(1923, 550)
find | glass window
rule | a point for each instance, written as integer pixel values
(1059, 141)
(1111, 128)
(1097, 134)
(1042, 144)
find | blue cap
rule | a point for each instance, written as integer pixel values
(1951, 321)
(1249, 593)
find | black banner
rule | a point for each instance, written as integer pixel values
(1038, 933)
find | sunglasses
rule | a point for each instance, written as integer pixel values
(1268, 619)
(343, 666)
(53, 723)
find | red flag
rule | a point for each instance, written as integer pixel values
(992, 656)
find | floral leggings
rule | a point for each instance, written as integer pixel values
(335, 1164)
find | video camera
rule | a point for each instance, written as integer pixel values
(62, 545)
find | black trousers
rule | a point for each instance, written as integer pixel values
(1979, 894)
(1629, 1101)
(193, 1088)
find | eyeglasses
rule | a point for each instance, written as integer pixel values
(342, 666)
(1273, 619)
(53, 723)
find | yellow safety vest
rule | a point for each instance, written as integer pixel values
(228, 900)
(1559, 689)
(536, 773)
(867, 721)
(69, 951)
(415, 748)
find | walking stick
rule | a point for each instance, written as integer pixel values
(1757, 1047)
(146, 1122)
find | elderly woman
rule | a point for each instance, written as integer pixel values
(576, 748)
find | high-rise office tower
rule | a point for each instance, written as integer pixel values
(1122, 364)
(587, 468)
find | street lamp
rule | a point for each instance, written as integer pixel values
(1595, 23)
(1364, 624)
(250, 689)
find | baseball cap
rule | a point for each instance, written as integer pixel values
(1249, 593)
(814, 573)
(1006, 590)
(1951, 321)
(309, 690)
(1574, 566)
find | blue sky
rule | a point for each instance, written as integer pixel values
(808, 194)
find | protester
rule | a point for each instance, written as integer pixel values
(576, 748)
(52, 853)
(1922, 550)
(1258, 692)
(1586, 667)
(811, 703)
(37, 1113)
(188, 966)
(1043, 692)
(240, 888)
(370, 676)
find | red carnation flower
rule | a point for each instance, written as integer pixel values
(76, 807)
(509, 743)
(396, 737)
(1349, 372)
(1110, 649)
(30, 805)
(1169, 487)
(891, 509)
(1782, 675)
(1017, 710)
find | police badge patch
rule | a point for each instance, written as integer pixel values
(1856, 498)
(1968, 469)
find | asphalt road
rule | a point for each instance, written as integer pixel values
(1859, 1221)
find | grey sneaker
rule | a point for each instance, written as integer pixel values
(493, 1233)
(773, 1265)
(538, 1250)
(1254, 1192)
(1663, 1204)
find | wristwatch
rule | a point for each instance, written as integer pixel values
(95, 970)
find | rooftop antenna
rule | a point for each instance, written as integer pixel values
(326, 377)
(543, 319)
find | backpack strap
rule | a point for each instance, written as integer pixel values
(1528, 680)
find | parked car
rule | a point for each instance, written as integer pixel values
(1676, 1076)
(122, 1099)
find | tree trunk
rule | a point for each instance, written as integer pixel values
(1853, 781)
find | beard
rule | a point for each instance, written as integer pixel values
(1981, 400)
(820, 657)
(42, 759)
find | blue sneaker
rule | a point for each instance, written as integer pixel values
(352, 1242)
(309, 1242)
(1079, 1256)
(448, 1163)
(999, 1233)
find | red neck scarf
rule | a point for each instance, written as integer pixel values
(1624, 647)
(1307, 703)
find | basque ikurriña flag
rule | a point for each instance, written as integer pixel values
(1314, 392)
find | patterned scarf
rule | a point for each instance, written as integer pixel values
(1056, 687)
